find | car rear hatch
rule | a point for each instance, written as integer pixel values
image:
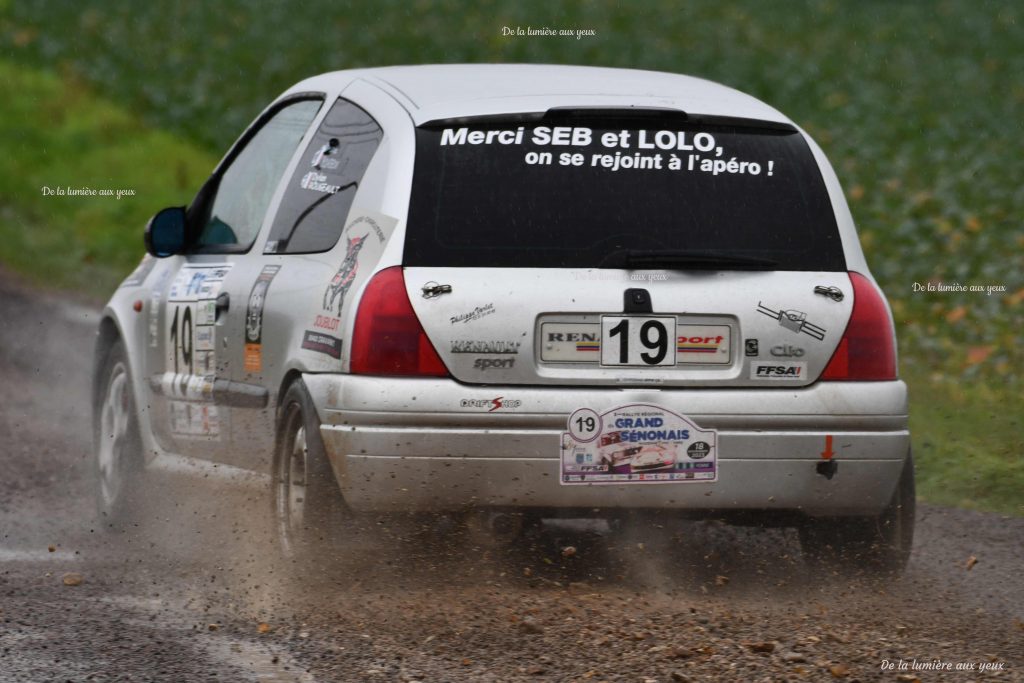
(612, 248)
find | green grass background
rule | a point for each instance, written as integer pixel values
(918, 105)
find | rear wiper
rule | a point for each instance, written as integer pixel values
(683, 259)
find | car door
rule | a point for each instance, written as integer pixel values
(284, 308)
(193, 397)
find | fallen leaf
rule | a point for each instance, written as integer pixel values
(761, 647)
(263, 627)
(721, 580)
(72, 579)
(530, 625)
(973, 224)
(956, 314)
(839, 670)
(978, 354)
(466, 661)
(971, 561)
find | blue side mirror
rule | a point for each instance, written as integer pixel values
(165, 232)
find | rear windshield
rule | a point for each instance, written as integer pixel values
(572, 192)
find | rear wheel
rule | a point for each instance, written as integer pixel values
(307, 504)
(881, 543)
(117, 446)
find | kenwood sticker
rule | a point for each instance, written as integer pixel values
(779, 370)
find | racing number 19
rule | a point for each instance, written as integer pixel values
(640, 341)
(181, 338)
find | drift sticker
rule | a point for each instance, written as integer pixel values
(636, 444)
(364, 240)
(492, 404)
(794, 321)
(322, 343)
(778, 370)
(254, 319)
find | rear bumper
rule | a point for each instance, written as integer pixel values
(435, 444)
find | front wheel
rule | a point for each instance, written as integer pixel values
(307, 504)
(881, 543)
(117, 446)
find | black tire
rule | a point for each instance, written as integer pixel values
(306, 502)
(881, 543)
(117, 445)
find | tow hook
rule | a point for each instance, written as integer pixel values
(827, 468)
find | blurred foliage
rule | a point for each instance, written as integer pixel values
(917, 104)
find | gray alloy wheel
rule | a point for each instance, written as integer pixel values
(117, 449)
(307, 504)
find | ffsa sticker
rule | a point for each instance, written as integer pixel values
(636, 444)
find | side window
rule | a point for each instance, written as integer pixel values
(319, 195)
(245, 188)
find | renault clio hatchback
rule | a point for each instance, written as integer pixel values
(527, 289)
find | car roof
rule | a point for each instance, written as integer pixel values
(441, 91)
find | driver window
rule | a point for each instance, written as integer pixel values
(237, 209)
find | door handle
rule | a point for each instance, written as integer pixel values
(222, 305)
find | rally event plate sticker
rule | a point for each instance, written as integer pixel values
(636, 444)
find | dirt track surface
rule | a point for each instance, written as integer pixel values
(195, 592)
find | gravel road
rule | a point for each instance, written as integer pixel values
(195, 591)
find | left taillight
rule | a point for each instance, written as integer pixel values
(388, 338)
(867, 350)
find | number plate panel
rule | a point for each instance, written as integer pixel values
(632, 340)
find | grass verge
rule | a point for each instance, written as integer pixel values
(57, 134)
(967, 443)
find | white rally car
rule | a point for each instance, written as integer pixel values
(441, 288)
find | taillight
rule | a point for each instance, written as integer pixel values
(867, 350)
(388, 338)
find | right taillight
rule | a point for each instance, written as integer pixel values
(388, 338)
(867, 350)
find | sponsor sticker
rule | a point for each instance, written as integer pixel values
(254, 319)
(497, 363)
(366, 234)
(776, 370)
(475, 314)
(481, 346)
(793, 320)
(491, 404)
(322, 343)
(636, 444)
